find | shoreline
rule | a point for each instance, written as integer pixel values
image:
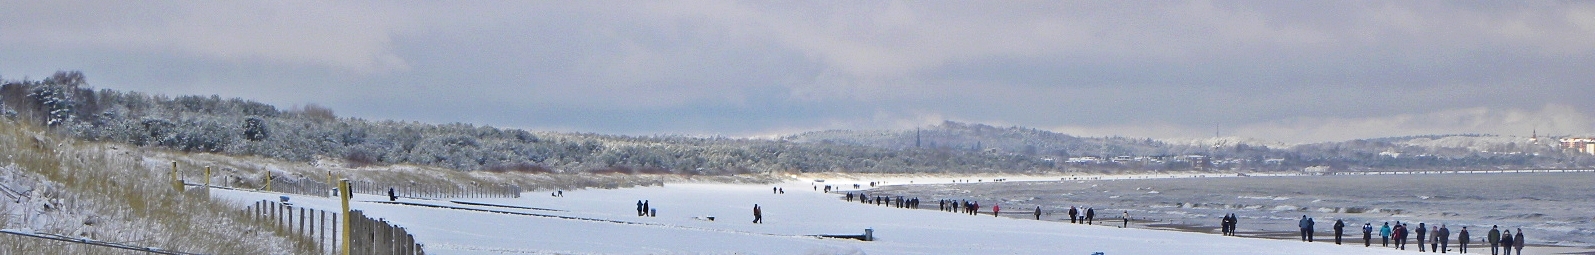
(1180, 226)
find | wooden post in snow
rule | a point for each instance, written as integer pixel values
(343, 194)
(176, 183)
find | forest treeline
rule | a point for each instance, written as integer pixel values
(64, 102)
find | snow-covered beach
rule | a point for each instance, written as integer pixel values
(603, 221)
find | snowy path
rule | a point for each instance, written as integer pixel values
(603, 222)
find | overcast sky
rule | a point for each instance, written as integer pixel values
(1292, 71)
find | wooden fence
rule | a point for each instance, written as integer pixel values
(320, 227)
(377, 236)
(304, 186)
(412, 190)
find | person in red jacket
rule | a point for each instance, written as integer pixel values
(995, 209)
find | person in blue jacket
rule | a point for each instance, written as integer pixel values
(1384, 235)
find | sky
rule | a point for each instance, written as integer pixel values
(1290, 71)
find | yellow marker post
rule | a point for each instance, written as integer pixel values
(207, 177)
(268, 180)
(343, 194)
(176, 184)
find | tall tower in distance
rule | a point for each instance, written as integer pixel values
(916, 137)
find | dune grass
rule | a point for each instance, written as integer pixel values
(107, 192)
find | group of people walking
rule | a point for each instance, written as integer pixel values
(899, 201)
(1507, 240)
(1088, 217)
(1227, 226)
(1439, 238)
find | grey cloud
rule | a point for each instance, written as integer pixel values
(1148, 68)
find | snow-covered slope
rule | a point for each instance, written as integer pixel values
(604, 222)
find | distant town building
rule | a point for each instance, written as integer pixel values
(1084, 160)
(1317, 170)
(1584, 145)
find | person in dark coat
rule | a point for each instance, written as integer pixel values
(1434, 238)
(1367, 234)
(1224, 224)
(1445, 239)
(1421, 231)
(639, 208)
(1507, 241)
(1090, 216)
(1494, 238)
(1340, 227)
(1462, 240)
(1038, 213)
(1518, 241)
(391, 196)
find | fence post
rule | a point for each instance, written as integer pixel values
(321, 242)
(343, 190)
(276, 215)
(336, 245)
(301, 221)
(176, 182)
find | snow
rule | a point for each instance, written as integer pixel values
(604, 222)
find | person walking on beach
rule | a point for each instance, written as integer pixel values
(758, 215)
(1384, 235)
(1038, 212)
(1223, 225)
(1090, 216)
(1421, 231)
(1462, 240)
(1227, 225)
(1401, 236)
(1507, 241)
(639, 208)
(1367, 234)
(1444, 238)
(995, 209)
(1339, 227)
(1434, 238)
(1126, 219)
(1304, 227)
(1074, 215)
(1518, 240)
(1494, 237)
